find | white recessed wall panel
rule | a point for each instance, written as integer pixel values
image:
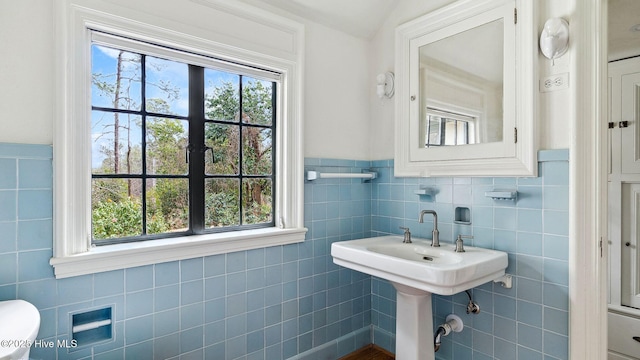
(337, 115)
(26, 71)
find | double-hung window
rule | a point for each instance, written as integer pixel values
(174, 142)
(181, 144)
(449, 128)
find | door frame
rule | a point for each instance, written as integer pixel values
(588, 183)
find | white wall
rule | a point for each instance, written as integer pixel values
(337, 111)
(382, 59)
(554, 107)
(336, 114)
(343, 116)
(26, 71)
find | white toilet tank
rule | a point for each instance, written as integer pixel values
(19, 324)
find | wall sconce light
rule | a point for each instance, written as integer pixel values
(385, 87)
(554, 40)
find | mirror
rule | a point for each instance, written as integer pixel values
(462, 109)
(461, 87)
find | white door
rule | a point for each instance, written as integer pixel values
(630, 277)
(630, 132)
(624, 184)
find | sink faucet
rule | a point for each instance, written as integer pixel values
(436, 234)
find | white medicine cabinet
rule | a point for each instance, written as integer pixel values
(466, 91)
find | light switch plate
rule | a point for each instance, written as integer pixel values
(554, 82)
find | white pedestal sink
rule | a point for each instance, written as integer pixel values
(416, 271)
(414, 324)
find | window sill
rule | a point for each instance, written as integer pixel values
(115, 257)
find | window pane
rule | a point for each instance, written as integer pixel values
(141, 128)
(167, 140)
(115, 78)
(256, 151)
(167, 205)
(257, 103)
(222, 203)
(221, 100)
(449, 132)
(115, 143)
(461, 132)
(167, 87)
(471, 132)
(257, 200)
(433, 130)
(224, 143)
(116, 209)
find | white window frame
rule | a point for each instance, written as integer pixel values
(454, 115)
(73, 254)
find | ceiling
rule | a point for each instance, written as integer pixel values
(361, 18)
(623, 16)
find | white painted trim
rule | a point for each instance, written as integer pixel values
(264, 17)
(419, 84)
(460, 168)
(114, 257)
(588, 184)
(624, 310)
(73, 254)
(615, 356)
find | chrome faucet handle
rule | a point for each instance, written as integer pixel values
(407, 235)
(460, 242)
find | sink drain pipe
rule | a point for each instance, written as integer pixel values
(453, 323)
